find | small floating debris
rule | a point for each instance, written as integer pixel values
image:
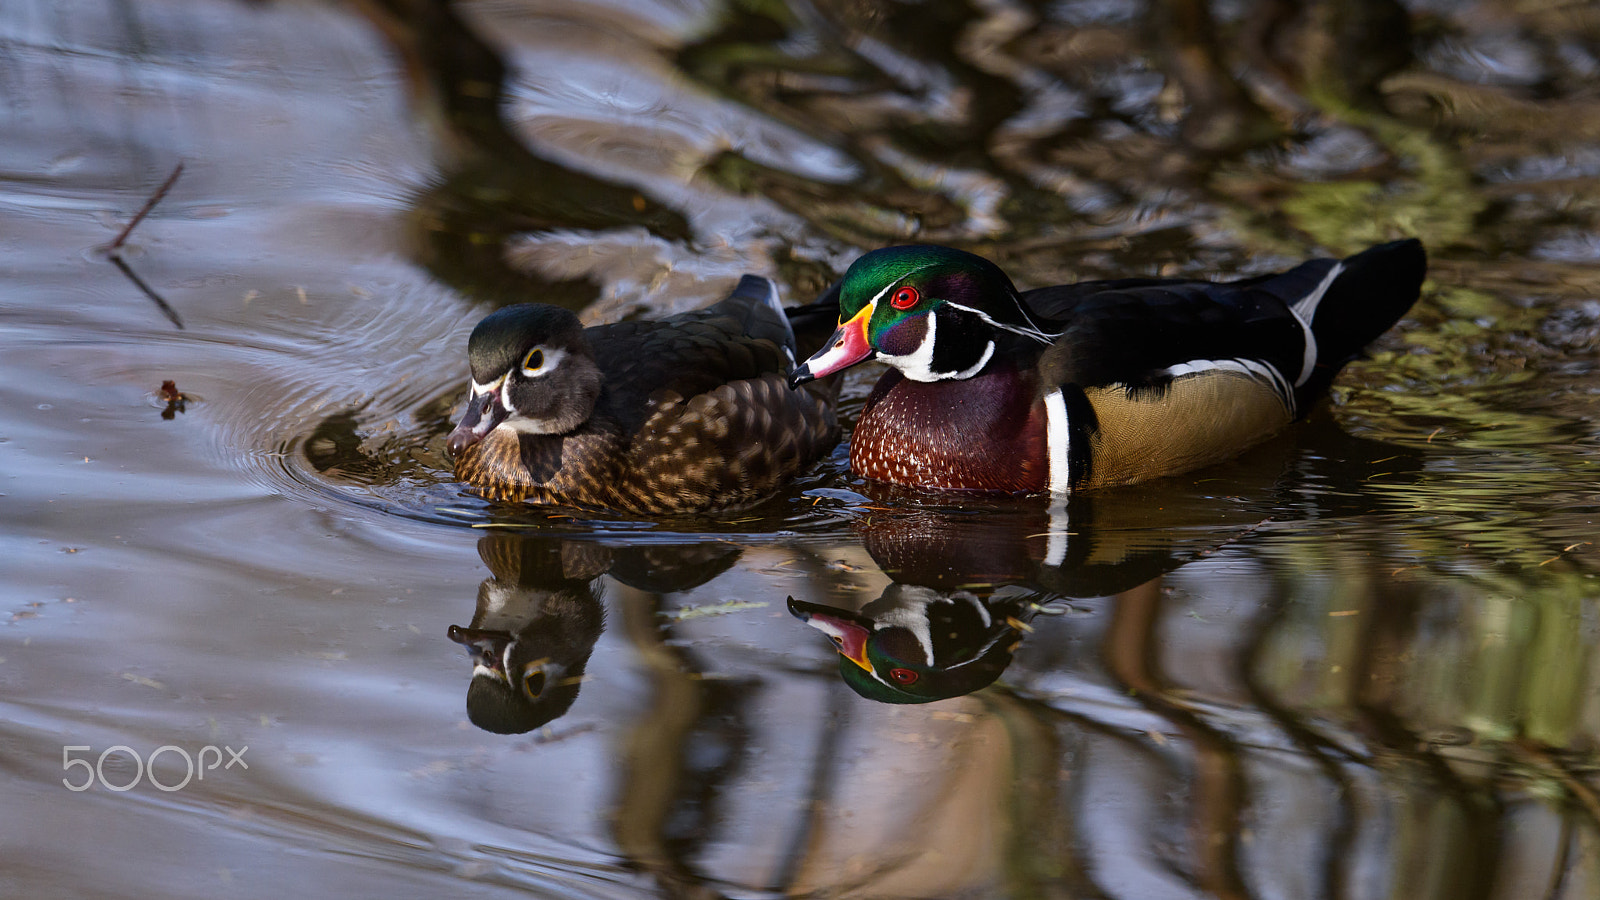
(141, 680)
(712, 609)
(176, 401)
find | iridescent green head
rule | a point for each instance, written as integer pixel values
(896, 661)
(932, 312)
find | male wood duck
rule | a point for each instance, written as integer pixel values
(1100, 383)
(685, 414)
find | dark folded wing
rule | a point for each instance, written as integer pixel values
(1141, 332)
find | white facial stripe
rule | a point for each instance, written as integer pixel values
(478, 390)
(1304, 311)
(988, 352)
(1058, 439)
(918, 364)
(1043, 337)
(1254, 368)
(505, 396)
(481, 669)
(977, 606)
(894, 284)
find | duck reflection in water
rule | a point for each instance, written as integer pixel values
(965, 589)
(540, 614)
(968, 580)
(915, 644)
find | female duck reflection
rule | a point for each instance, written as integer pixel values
(539, 616)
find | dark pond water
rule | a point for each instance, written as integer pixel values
(1357, 662)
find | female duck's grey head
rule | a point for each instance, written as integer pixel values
(532, 372)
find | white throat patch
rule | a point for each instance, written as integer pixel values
(918, 364)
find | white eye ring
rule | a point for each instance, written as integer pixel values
(545, 360)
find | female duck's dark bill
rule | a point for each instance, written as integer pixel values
(483, 414)
(847, 346)
(488, 647)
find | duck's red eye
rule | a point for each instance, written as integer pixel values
(904, 676)
(905, 298)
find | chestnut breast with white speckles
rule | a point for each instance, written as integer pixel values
(985, 433)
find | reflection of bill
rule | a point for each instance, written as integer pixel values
(208, 759)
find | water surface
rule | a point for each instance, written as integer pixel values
(1356, 662)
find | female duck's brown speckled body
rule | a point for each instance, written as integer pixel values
(686, 414)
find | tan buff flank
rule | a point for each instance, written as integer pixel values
(1203, 418)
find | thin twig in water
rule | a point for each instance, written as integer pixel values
(148, 291)
(114, 251)
(1238, 537)
(150, 204)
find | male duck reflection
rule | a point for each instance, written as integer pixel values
(685, 414)
(966, 587)
(915, 644)
(1094, 384)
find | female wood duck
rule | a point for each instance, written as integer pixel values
(685, 414)
(1094, 384)
(535, 626)
(539, 616)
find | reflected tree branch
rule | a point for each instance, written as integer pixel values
(1473, 842)
(493, 187)
(1324, 753)
(114, 249)
(165, 307)
(652, 758)
(1131, 647)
